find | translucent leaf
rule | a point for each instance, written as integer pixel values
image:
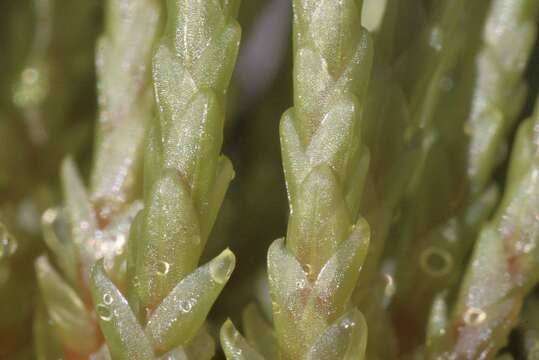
(220, 56)
(285, 274)
(338, 277)
(202, 347)
(355, 182)
(335, 27)
(356, 76)
(295, 162)
(118, 154)
(125, 337)
(289, 286)
(312, 89)
(209, 212)
(487, 131)
(320, 220)
(170, 243)
(235, 346)
(193, 26)
(345, 339)
(56, 234)
(171, 78)
(81, 214)
(192, 145)
(179, 316)
(522, 155)
(332, 142)
(71, 321)
(78, 204)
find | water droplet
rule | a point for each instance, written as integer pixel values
(107, 299)
(436, 39)
(8, 244)
(186, 305)
(436, 261)
(163, 268)
(104, 312)
(308, 268)
(474, 316)
(347, 324)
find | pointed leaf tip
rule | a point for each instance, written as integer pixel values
(234, 345)
(125, 337)
(178, 318)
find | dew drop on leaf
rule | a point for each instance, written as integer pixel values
(308, 268)
(104, 312)
(107, 299)
(186, 305)
(348, 324)
(436, 261)
(163, 268)
(474, 316)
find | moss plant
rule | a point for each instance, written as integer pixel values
(185, 180)
(313, 272)
(94, 224)
(409, 159)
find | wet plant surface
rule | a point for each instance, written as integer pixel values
(269, 179)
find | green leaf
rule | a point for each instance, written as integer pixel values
(125, 337)
(180, 315)
(320, 220)
(337, 279)
(70, 318)
(170, 243)
(345, 339)
(235, 346)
